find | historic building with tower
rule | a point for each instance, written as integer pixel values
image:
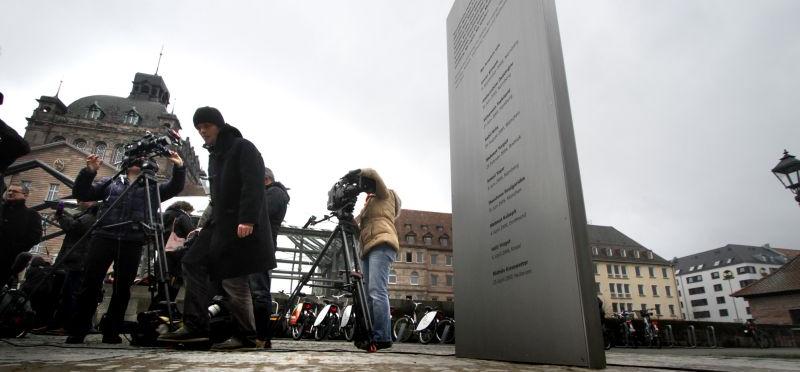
(62, 136)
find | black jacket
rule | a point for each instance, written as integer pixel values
(277, 200)
(70, 257)
(181, 220)
(132, 208)
(236, 177)
(21, 230)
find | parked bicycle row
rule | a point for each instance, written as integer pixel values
(333, 318)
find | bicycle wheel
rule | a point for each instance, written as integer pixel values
(321, 332)
(349, 332)
(446, 331)
(402, 329)
(426, 336)
(297, 330)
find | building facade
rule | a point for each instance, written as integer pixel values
(62, 136)
(630, 277)
(706, 289)
(424, 266)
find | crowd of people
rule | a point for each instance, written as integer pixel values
(228, 255)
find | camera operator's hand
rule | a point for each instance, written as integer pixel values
(244, 230)
(93, 163)
(175, 158)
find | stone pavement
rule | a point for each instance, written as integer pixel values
(48, 353)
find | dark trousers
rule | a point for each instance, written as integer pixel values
(262, 304)
(69, 299)
(103, 251)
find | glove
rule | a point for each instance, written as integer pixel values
(60, 208)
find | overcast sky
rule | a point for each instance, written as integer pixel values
(680, 108)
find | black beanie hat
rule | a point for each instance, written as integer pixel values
(208, 115)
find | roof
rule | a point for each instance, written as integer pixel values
(785, 279)
(789, 253)
(115, 109)
(729, 255)
(610, 237)
(417, 219)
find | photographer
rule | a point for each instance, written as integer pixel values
(118, 238)
(20, 229)
(12, 146)
(235, 242)
(379, 246)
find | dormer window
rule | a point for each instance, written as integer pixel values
(428, 239)
(650, 254)
(411, 239)
(95, 112)
(444, 241)
(636, 254)
(132, 117)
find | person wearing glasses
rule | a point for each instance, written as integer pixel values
(20, 229)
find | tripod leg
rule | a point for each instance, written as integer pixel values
(158, 235)
(355, 278)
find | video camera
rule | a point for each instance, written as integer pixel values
(149, 146)
(344, 193)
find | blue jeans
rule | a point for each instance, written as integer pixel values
(376, 274)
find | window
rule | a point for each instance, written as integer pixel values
(644, 307)
(668, 290)
(444, 241)
(658, 309)
(650, 255)
(698, 290)
(414, 278)
(746, 270)
(641, 290)
(638, 271)
(723, 312)
(630, 307)
(608, 268)
(672, 310)
(677, 271)
(392, 276)
(729, 260)
(717, 287)
(721, 299)
(694, 279)
(595, 251)
(655, 290)
(637, 254)
(434, 258)
(52, 193)
(411, 239)
(611, 288)
(745, 283)
(616, 269)
(427, 239)
(597, 287)
(651, 271)
(619, 289)
(624, 271)
(94, 113)
(691, 268)
(624, 253)
(132, 117)
(448, 260)
(407, 227)
(424, 227)
(439, 228)
(434, 280)
(420, 257)
(716, 263)
(434, 298)
(119, 154)
(80, 143)
(448, 280)
(57, 139)
(608, 252)
(700, 302)
(408, 257)
(627, 288)
(702, 314)
(700, 266)
(664, 273)
(715, 275)
(100, 150)
(614, 307)
(26, 184)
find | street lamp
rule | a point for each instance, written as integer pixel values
(788, 172)
(728, 275)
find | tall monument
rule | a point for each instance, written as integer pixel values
(525, 289)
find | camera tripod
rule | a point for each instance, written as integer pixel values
(353, 282)
(153, 228)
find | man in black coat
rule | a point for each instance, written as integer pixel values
(277, 201)
(235, 242)
(20, 229)
(119, 237)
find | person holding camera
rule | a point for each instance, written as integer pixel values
(235, 242)
(119, 237)
(379, 246)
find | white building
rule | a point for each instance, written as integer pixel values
(704, 290)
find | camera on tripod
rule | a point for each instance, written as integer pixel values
(141, 151)
(344, 193)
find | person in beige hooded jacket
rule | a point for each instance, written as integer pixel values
(379, 247)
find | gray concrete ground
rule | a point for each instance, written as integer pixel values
(48, 353)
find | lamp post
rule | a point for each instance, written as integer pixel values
(728, 275)
(788, 172)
